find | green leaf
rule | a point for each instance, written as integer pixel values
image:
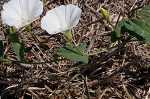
(139, 31)
(114, 37)
(17, 45)
(73, 53)
(118, 29)
(138, 27)
(144, 14)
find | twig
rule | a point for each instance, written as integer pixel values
(141, 5)
(133, 5)
(91, 44)
(112, 76)
(8, 82)
(49, 89)
(126, 92)
(100, 97)
(96, 13)
(33, 93)
(86, 88)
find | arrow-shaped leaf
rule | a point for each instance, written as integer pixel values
(74, 53)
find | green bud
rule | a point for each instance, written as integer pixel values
(68, 36)
(105, 14)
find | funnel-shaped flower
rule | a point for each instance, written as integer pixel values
(61, 19)
(20, 13)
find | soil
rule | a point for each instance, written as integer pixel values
(121, 73)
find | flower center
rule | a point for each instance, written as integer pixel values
(64, 28)
(25, 19)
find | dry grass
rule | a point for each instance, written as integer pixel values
(122, 73)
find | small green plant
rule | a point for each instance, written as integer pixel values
(17, 44)
(138, 27)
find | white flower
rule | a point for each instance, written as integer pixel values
(61, 19)
(20, 13)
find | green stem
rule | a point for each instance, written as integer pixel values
(28, 27)
(111, 24)
(11, 30)
(69, 37)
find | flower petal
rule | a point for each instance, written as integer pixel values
(54, 20)
(31, 8)
(61, 19)
(11, 21)
(24, 9)
(11, 7)
(49, 25)
(73, 14)
(36, 8)
(19, 13)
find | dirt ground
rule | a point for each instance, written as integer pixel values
(122, 73)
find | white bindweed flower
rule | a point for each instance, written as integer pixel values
(61, 19)
(20, 13)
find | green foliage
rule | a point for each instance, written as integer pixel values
(119, 31)
(17, 45)
(138, 27)
(74, 53)
(144, 14)
(138, 31)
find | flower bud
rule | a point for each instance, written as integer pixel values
(68, 36)
(105, 14)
